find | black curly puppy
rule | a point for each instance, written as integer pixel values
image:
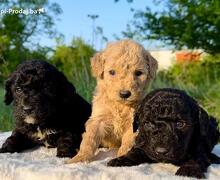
(173, 128)
(47, 110)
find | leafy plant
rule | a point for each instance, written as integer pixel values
(194, 24)
(6, 120)
(17, 33)
(74, 61)
(201, 80)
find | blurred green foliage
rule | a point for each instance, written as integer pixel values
(201, 80)
(74, 62)
(17, 33)
(6, 120)
(192, 24)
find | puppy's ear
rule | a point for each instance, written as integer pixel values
(97, 64)
(209, 134)
(8, 92)
(65, 89)
(69, 92)
(152, 63)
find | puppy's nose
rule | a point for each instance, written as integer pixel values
(161, 150)
(125, 94)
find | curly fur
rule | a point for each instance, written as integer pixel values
(124, 66)
(47, 110)
(173, 128)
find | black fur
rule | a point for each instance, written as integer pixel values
(173, 128)
(38, 90)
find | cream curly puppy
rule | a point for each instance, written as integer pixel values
(123, 71)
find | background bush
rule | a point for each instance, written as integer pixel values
(74, 62)
(6, 120)
(185, 27)
(201, 80)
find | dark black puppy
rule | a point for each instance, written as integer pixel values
(173, 128)
(47, 110)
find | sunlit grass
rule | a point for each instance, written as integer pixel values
(6, 120)
(206, 93)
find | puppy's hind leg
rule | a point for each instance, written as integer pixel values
(67, 145)
(91, 140)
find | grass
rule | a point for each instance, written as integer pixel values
(205, 90)
(6, 120)
(84, 86)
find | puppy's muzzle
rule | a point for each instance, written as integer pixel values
(124, 94)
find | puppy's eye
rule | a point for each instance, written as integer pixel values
(112, 72)
(180, 124)
(138, 73)
(18, 90)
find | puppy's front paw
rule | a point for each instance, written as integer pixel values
(8, 148)
(66, 152)
(78, 158)
(121, 161)
(190, 171)
(2, 150)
